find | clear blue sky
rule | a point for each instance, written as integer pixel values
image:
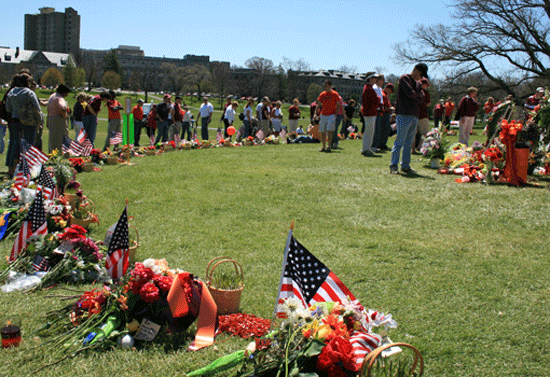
(326, 34)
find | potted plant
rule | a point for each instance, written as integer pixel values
(434, 148)
(225, 281)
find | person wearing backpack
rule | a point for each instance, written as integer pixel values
(24, 108)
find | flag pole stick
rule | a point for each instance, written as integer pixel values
(287, 246)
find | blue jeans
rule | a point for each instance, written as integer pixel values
(204, 128)
(2, 134)
(162, 131)
(406, 129)
(247, 130)
(335, 138)
(186, 128)
(90, 126)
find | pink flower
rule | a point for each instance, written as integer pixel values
(149, 293)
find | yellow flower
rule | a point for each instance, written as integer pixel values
(62, 223)
(323, 332)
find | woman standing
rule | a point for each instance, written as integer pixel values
(78, 112)
(277, 118)
(247, 121)
(294, 114)
(89, 119)
(57, 118)
(19, 97)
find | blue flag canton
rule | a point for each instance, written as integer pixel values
(308, 272)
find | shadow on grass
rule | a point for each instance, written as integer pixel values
(416, 176)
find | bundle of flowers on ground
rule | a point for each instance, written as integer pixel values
(151, 303)
(327, 339)
(434, 146)
(62, 257)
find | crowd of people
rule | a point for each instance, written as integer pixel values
(331, 117)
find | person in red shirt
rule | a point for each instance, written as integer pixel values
(328, 104)
(137, 111)
(449, 107)
(89, 118)
(369, 110)
(115, 120)
(488, 108)
(439, 109)
(151, 123)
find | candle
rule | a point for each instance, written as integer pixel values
(11, 334)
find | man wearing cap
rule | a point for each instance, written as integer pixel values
(163, 113)
(369, 110)
(137, 111)
(533, 100)
(409, 98)
(205, 112)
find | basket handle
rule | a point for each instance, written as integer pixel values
(137, 234)
(214, 263)
(369, 361)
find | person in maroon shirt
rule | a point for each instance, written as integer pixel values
(89, 119)
(423, 120)
(467, 110)
(369, 110)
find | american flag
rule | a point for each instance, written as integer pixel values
(34, 224)
(71, 146)
(309, 280)
(40, 263)
(117, 254)
(88, 146)
(219, 135)
(260, 135)
(35, 156)
(23, 176)
(116, 138)
(46, 184)
(152, 139)
(363, 343)
(82, 135)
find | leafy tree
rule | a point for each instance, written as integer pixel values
(111, 80)
(220, 79)
(198, 77)
(313, 92)
(505, 40)
(73, 76)
(110, 63)
(52, 77)
(143, 80)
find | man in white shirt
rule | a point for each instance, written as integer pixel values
(378, 125)
(205, 112)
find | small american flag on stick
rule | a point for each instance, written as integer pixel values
(117, 254)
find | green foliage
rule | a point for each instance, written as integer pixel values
(111, 63)
(52, 77)
(111, 80)
(313, 92)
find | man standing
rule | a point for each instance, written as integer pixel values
(205, 113)
(177, 116)
(163, 114)
(409, 98)
(533, 101)
(265, 122)
(467, 110)
(378, 84)
(115, 120)
(385, 122)
(137, 111)
(449, 107)
(328, 104)
(438, 113)
(369, 110)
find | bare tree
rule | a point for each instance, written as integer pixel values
(506, 40)
(199, 78)
(263, 68)
(143, 80)
(220, 78)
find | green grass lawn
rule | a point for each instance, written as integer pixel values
(463, 268)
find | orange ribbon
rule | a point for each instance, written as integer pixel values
(208, 311)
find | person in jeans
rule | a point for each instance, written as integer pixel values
(409, 98)
(247, 121)
(137, 111)
(186, 123)
(163, 114)
(89, 119)
(205, 113)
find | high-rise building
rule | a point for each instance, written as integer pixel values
(53, 31)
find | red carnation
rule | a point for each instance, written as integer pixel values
(163, 282)
(149, 293)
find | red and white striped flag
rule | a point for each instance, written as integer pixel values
(219, 135)
(46, 185)
(34, 224)
(23, 175)
(363, 343)
(117, 254)
(307, 279)
(152, 140)
(88, 146)
(71, 147)
(40, 263)
(115, 138)
(35, 157)
(81, 136)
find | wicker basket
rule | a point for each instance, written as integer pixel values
(370, 359)
(85, 223)
(88, 167)
(112, 160)
(150, 152)
(133, 249)
(227, 300)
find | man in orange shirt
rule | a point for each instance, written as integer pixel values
(328, 104)
(115, 120)
(137, 111)
(449, 107)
